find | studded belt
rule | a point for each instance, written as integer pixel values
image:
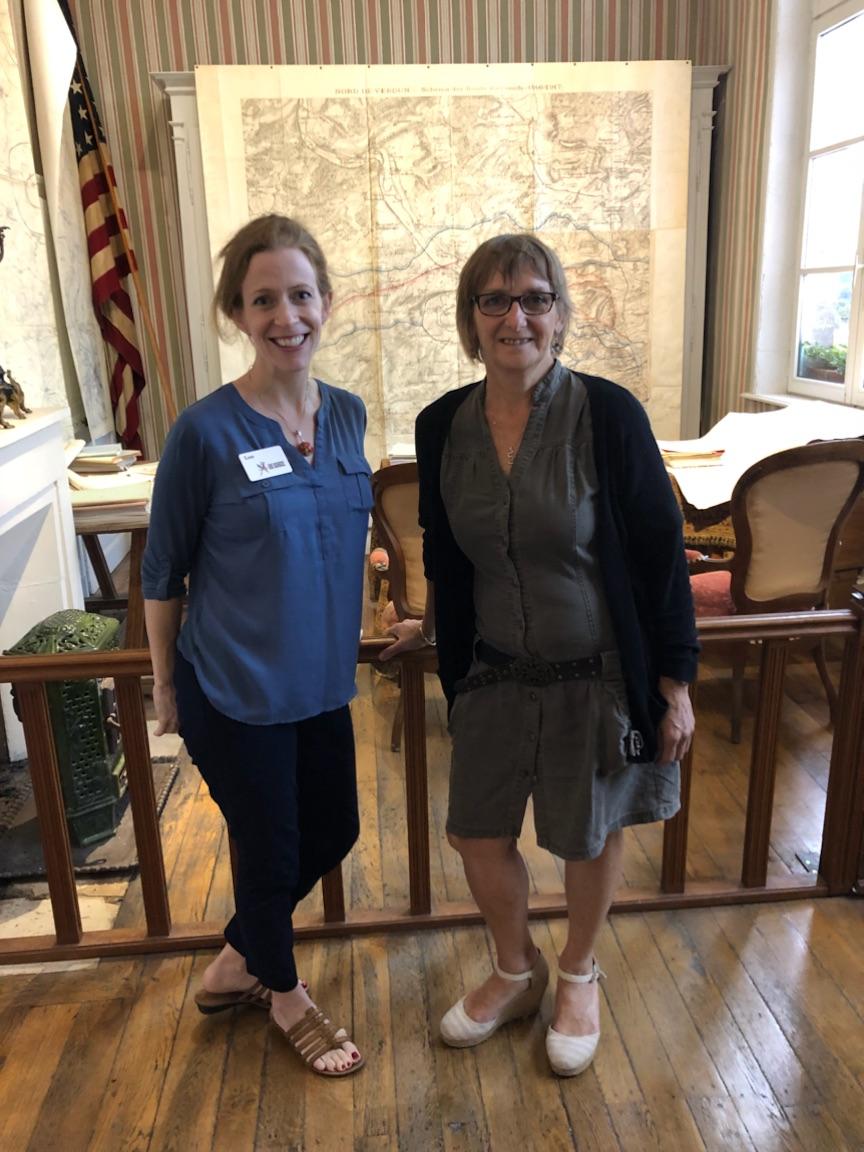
(528, 669)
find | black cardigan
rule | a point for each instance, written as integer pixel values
(640, 548)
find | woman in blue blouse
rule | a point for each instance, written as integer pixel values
(262, 500)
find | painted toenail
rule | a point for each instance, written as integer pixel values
(355, 1055)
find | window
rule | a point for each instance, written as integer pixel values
(829, 352)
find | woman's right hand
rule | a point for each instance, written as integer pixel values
(408, 638)
(165, 707)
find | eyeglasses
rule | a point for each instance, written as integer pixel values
(500, 303)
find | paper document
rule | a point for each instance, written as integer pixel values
(747, 437)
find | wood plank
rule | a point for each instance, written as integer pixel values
(592, 1125)
(128, 1110)
(109, 979)
(236, 1119)
(192, 874)
(28, 1063)
(789, 1081)
(733, 1058)
(220, 898)
(282, 1095)
(692, 1064)
(778, 980)
(189, 1099)
(670, 1115)
(417, 1108)
(68, 1115)
(375, 1086)
(329, 1105)
(492, 1062)
(834, 931)
(172, 829)
(463, 1119)
(612, 1068)
(815, 1003)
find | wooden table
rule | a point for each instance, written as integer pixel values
(90, 525)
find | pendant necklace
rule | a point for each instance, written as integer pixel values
(303, 446)
(510, 450)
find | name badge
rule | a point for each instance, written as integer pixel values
(264, 462)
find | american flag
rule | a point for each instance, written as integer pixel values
(112, 260)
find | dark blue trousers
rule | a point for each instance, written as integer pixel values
(288, 793)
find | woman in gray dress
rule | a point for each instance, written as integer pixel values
(559, 599)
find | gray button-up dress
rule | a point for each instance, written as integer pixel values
(538, 592)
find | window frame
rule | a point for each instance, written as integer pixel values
(851, 390)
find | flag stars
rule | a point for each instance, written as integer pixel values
(82, 112)
(75, 86)
(88, 139)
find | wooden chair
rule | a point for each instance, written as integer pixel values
(787, 512)
(396, 490)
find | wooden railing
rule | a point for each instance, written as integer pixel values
(843, 825)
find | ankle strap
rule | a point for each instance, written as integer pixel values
(595, 974)
(516, 976)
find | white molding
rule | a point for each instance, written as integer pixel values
(179, 87)
(39, 571)
(706, 77)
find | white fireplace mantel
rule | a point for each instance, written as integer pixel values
(39, 571)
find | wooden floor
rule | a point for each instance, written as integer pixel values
(727, 1029)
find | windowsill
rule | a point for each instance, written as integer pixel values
(787, 399)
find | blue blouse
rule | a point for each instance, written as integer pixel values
(275, 564)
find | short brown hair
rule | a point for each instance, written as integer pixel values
(507, 254)
(263, 234)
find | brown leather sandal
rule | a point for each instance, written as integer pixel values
(312, 1036)
(255, 997)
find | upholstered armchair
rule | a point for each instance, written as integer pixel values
(394, 514)
(787, 512)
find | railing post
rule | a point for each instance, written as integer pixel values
(145, 820)
(416, 786)
(51, 810)
(843, 827)
(763, 764)
(135, 632)
(333, 893)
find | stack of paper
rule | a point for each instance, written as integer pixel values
(104, 458)
(704, 458)
(126, 495)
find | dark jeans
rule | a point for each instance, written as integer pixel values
(288, 793)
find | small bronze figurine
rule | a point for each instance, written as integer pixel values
(11, 394)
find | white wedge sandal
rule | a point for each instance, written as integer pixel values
(570, 1055)
(459, 1030)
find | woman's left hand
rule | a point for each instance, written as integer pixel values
(675, 733)
(408, 637)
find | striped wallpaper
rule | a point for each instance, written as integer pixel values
(123, 41)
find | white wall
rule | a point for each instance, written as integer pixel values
(29, 342)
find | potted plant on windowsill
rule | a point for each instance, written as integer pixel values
(823, 362)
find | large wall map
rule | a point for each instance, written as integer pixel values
(402, 172)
